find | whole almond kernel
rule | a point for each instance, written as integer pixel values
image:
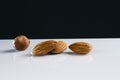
(43, 48)
(81, 47)
(59, 47)
(21, 42)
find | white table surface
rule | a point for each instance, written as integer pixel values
(102, 63)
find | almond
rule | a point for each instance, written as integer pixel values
(59, 47)
(44, 47)
(81, 47)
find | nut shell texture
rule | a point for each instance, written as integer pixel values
(81, 47)
(59, 47)
(21, 42)
(44, 47)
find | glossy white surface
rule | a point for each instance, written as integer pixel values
(102, 63)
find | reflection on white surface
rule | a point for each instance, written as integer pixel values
(21, 59)
(50, 59)
(27, 58)
(59, 58)
(13, 44)
(84, 59)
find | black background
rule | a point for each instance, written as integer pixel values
(60, 19)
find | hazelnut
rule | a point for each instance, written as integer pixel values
(21, 42)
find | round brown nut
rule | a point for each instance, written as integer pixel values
(59, 47)
(43, 48)
(21, 42)
(81, 47)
